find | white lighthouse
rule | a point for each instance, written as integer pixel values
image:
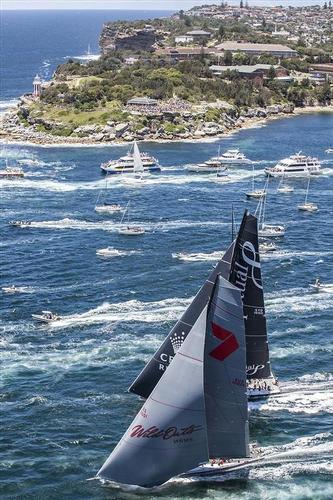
(37, 83)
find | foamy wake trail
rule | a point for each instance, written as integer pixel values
(49, 185)
(310, 394)
(112, 226)
(284, 255)
(297, 300)
(131, 310)
(110, 252)
(197, 257)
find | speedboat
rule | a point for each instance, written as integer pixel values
(125, 164)
(259, 193)
(329, 150)
(320, 287)
(46, 317)
(285, 189)
(233, 157)
(271, 231)
(109, 252)
(266, 247)
(20, 223)
(308, 207)
(108, 208)
(297, 165)
(11, 172)
(12, 289)
(132, 230)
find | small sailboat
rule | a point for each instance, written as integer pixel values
(307, 206)
(284, 188)
(128, 229)
(267, 230)
(105, 207)
(255, 193)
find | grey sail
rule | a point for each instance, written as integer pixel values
(245, 273)
(175, 429)
(168, 436)
(154, 369)
(225, 375)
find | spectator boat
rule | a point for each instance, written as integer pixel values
(307, 206)
(233, 157)
(11, 173)
(297, 165)
(46, 317)
(125, 164)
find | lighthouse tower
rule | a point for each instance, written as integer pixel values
(37, 83)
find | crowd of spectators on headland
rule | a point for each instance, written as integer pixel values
(173, 105)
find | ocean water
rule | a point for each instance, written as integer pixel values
(63, 396)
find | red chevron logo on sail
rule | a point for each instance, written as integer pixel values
(229, 345)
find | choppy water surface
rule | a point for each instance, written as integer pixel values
(63, 390)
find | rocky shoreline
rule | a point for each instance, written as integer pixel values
(14, 132)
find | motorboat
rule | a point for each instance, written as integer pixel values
(12, 173)
(267, 247)
(307, 206)
(329, 150)
(125, 164)
(322, 287)
(12, 289)
(20, 223)
(233, 157)
(109, 252)
(271, 231)
(132, 230)
(207, 167)
(296, 165)
(46, 317)
(108, 208)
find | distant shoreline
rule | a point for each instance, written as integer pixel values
(247, 124)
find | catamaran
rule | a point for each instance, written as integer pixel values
(197, 384)
(307, 206)
(127, 228)
(297, 165)
(125, 164)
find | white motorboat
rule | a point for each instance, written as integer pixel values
(329, 150)
(307, 206)
(297, 165)
(267, 247)
(108, 208)
(46, 317)
(232, 157)
(125, 164)
(20, 223)
(12, 173)
(12, 289)
(322, 287)
(206, 167)
(132, 230)
(109, 252)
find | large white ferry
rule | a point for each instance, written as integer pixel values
(297, 165)
(125, 164)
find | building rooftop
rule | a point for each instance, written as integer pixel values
(198, 32)
(263, 47)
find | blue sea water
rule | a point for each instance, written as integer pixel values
(63, 387)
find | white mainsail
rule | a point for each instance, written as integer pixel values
(138, 165)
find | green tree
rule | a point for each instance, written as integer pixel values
(271, 73)
(227, 59)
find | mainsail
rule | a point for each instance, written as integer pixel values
(198, 409)
(138, 165)
(152, 372)
(245, 274)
